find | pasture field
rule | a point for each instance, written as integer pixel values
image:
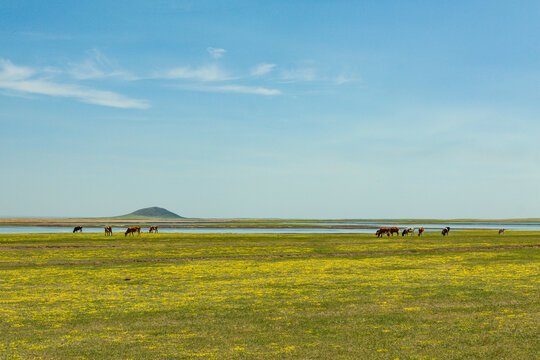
(471, 295)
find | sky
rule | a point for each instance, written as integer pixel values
(270, 109)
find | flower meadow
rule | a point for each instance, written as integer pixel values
(472, 295)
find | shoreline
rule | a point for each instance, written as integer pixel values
(196, 223)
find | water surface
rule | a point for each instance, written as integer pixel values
(314, 230)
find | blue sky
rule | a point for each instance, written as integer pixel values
(303, 109)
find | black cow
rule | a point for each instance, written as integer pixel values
(446, 231)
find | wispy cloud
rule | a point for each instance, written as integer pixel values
(98, 66)
(344, 78)
(67, 81)
(299, 75)
(240, 89)
(12, 72)
(310, 74)
(262, 69)
(26, 81)
(202, 73)
(216, 53)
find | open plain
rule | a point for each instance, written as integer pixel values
(473, 294)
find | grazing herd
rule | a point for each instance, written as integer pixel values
(130, 230)
(388, 231)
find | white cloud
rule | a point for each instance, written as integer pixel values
(98, 66)
(309, 74)
(23, 80)
(216, 53)
(12, 72)
(203, 73)
(262, 69)
(298, 75)
(240, 89)
(342, 79)
(86, 70)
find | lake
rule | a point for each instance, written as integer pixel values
(314, 230)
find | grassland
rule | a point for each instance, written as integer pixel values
(473, 295)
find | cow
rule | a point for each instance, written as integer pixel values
(420, 231)
(407, 231)
(108, 231)
(445, 231)
(153, 229)
(383, 231)
(77, 229)
(132, 230)
(394, 230)
(501, 231)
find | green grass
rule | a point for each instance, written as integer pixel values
(472, 295)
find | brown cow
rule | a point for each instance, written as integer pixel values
(501, 231)
(132, 230)
(383, 231)
(420, 231)
(108, 231)
(394, 230)
(153, 229)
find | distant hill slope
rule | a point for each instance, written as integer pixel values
(151, 212)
